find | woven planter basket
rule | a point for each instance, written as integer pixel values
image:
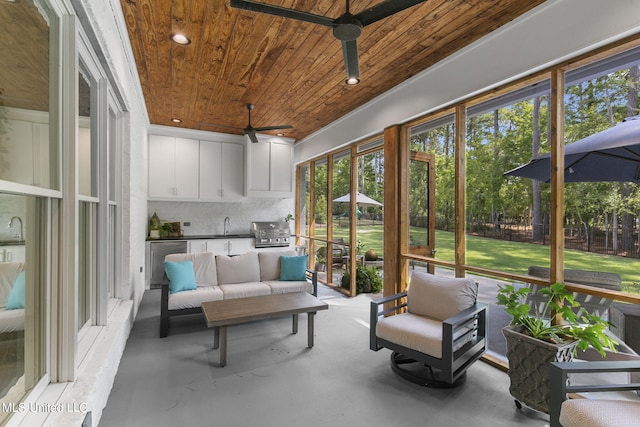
(529, 360)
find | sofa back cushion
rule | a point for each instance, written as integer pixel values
(270, 264)
(440, 297)
(204, 266)
(238, 269)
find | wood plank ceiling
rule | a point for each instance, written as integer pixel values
(292, 71)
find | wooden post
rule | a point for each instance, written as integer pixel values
(556, 106)
(460, 144)
(393, 233)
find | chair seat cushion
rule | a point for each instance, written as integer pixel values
(194, 298)
(412, 331)
(599, 413)
(286, 287)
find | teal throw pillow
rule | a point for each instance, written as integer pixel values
(181, 276)
(16, 296)
(293, 268)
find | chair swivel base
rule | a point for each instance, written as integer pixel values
(420, 373)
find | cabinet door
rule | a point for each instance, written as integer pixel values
(281, 168)
(217, 246)
(240, 246)
(210, 170)
(270, 169)
(187, 168)
(161, 166)
(17, 141)
(258, 168)
(232, 172)
(197, 246)
(173, 167)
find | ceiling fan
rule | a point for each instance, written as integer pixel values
(249, 130)
(346, 28)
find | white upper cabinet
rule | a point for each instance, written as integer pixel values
(269, 168)
(221, 171)
(173, 168)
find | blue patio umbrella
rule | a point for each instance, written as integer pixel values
(610, 155)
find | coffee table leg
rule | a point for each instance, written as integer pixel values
(223, 346)
(216, 337)
(295, 324)
(310, 329)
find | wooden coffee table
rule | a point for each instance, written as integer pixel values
(220, 314)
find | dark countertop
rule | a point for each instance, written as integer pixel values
(11, 242)
(202, 237)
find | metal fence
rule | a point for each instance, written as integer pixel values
(596, 240)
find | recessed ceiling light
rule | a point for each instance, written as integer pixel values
(279, 134)
(180, 39)
(352, 81)
(176, 120)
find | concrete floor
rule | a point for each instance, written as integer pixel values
(272, 379)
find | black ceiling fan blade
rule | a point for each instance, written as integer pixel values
(272, 128)
(384, 9)
(281, 11)
(252, 136)
(350, 53)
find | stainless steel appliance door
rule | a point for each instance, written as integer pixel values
(159, 250)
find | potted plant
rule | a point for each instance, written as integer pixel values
(321, 259)
(367, 280)
(552, 333)
(288, 219)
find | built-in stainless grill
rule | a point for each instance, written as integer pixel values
(271, 234)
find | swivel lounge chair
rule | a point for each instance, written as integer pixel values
(436, 335)
(605, 399)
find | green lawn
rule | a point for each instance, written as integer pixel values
(511, 257)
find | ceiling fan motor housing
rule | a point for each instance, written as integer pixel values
(347, 28)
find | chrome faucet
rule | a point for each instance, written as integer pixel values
(19, 235)
(227, 221)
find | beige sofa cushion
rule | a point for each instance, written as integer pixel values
(415, 332)
(204, 266)
(439, 297)
(245, 290)
(238, 269)
(270, 263)
(194, 298)
(282, 287)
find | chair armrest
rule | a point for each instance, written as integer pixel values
(466, 314)
(375, 312)
(558, 375)
(471, 322)
(314, 281)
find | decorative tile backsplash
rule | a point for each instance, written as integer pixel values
(208, 218)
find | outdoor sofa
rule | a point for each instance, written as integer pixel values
(220, 277)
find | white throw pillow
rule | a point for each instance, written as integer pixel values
(204, 266)
(270, 264)
(238, 269)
